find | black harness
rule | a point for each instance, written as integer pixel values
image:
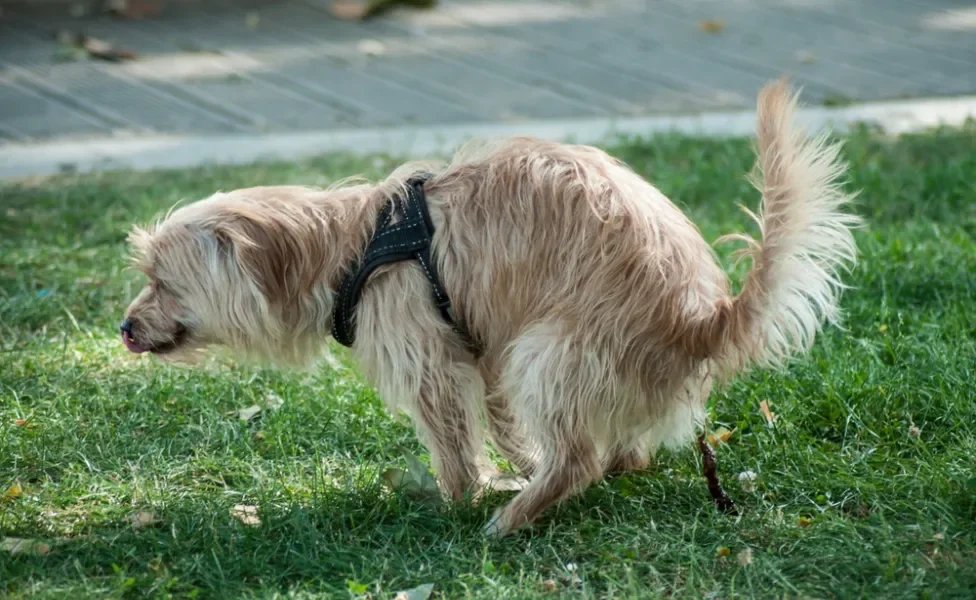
(409, 238)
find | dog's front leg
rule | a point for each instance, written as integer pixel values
(417, 365)
(446, 422)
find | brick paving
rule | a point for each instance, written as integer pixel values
(249, 67)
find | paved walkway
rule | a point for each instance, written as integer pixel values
(285, 67)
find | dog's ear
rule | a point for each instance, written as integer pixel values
(259, 248)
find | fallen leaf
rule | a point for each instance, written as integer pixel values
(719, 436)
(142, 519)
(748, 480)
(72, 43)
(355, 587)
(97, 48)
(804, 521)
(745, 557)
(549, 586)
(246, 514)
(711, 25)
(358, 10)
(398, 480)
(571, 569)
(371, 47)
(722, 551)
(416, 481)
(13, 491)
(252, 20)
(273, 402)
(421, 592)
(883, 327)
(24, 546)
(246, 414)
(770, 415)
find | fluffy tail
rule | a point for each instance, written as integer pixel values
(794, 284)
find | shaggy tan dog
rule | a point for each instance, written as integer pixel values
(604, 316)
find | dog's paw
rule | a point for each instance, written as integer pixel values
(496, 527)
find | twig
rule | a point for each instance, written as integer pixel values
(710, 471)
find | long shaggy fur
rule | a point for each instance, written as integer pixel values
(604, 315)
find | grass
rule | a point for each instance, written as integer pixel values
(865, 488)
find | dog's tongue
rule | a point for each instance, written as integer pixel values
(131, 345)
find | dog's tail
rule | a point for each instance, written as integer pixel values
(794, 283)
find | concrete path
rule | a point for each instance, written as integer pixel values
(252, 70)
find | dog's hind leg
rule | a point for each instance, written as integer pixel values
(506, 435)
(554, 387)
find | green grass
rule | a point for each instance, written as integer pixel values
(865, 488)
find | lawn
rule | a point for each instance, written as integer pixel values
(865, 483)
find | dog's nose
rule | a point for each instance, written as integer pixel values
(126, 326)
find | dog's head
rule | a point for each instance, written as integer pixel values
(247, 270)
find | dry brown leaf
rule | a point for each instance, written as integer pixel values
(246, 514)
(550, 586)
(20, 422)
(770, 415)
(24, 546)
(719, 436)
(97, 48)
(93, 47)
(711, 25)
(804, 521)
(722, 551)
(142, 519)
(13, 491)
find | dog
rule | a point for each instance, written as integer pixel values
(602, 316)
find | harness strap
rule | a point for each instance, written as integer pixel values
(409, 238)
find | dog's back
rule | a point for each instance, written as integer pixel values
(531, 230)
